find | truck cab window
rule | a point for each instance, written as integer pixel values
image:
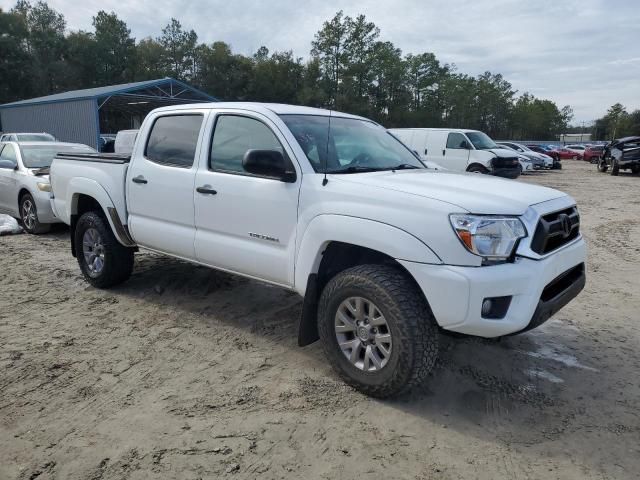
(173, 140)
(233, 136)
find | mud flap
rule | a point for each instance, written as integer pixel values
(308, 324)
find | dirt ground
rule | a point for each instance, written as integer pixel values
(184, 372)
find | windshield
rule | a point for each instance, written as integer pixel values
(349, 146)
(41, 156)
(481, 141)
(35, 137)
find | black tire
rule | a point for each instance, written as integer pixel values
(410, 321)
(602, 165)
(478, 169)
(31, 225)
(635, 170)
(118, 259)
(615, 168)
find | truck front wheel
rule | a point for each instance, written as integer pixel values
(103, 260)
(377, 330)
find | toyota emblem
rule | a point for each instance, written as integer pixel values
(565, 223)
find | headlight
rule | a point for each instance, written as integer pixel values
(44, 187)
(491, 237)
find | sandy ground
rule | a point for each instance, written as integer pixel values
(185, 372)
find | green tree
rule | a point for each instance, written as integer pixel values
(115, 49)
(15, 60)
(179, 51)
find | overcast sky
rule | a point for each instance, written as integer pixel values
(583, 53)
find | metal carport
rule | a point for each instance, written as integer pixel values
(83, 115)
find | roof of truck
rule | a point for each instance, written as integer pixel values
(464, 130)
(277, 108)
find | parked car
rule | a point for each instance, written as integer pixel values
(460, 150)
(593, 153)
(27, 137)
(539, 161)
(621, 154)
(24, 181)
(125, 140)
(384, 251)
(567, 154)
(549, 151)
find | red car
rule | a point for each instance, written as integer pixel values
(566, 154)
(593, 153)
(552, 152)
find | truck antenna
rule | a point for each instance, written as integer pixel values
(326, 156)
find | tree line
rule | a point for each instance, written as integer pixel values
(350, 68)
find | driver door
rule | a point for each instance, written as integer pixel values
(456, 153)
(245, 223)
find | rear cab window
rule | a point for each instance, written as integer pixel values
(173, 140)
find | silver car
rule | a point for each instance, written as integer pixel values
(24, 181)
(540, 161)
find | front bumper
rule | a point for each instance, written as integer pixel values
(511, 172)
(43, 205)
(455, 294)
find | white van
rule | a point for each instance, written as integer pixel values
(461, 150)
(124, 141)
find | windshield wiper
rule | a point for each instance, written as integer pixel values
(403, 166)
(354, 169)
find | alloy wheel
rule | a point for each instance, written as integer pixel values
(29, 216)
(363, 334)
(93, 251)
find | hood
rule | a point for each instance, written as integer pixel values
(502, 152)
(471, 192)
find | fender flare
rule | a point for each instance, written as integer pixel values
(372, 234)
(85, 186)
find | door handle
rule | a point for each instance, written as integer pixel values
(425, 151)
(206, 190)
(139, 179)
(443, 152)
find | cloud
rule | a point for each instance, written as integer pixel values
(573, 52)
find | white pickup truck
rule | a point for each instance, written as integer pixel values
(387, 254)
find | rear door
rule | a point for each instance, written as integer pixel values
(456, 152)
(160, 183)
(245, 223)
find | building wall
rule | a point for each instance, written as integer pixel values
(72, 121)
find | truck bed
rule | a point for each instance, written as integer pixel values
(101, 176)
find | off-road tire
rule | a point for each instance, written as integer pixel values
(615, 168)
(36, 227)
(118, 259)
(602, 166)
(412, 325)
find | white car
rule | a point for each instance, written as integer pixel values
(385, 252)
(27, 137)
(462, 150)
(24, 181)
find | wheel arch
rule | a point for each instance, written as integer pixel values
(91, 196)
(477, 164)
(320, 259)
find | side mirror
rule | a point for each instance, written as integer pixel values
(268, 163)
(465, 145)
(8, 164)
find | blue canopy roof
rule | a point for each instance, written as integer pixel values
(125, 88)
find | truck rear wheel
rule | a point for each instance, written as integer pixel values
(377, 330)
(103, 260)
